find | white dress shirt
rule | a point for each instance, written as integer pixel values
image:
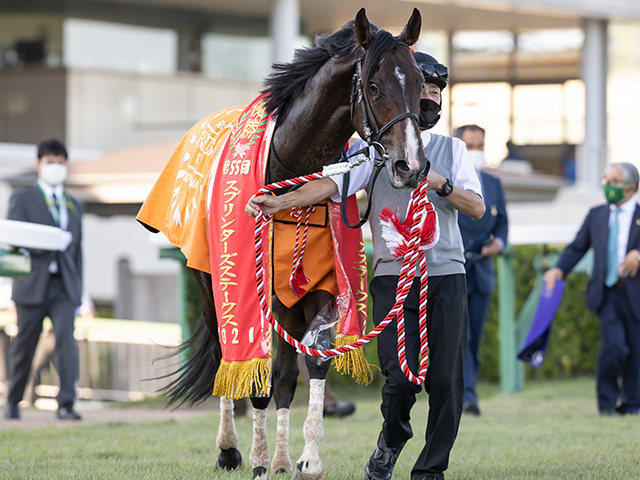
(625, 217)
(463, 174)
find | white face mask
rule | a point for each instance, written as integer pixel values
(477, 158)
(53, 173)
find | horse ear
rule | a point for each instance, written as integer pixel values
(411, 31)
(363, 29)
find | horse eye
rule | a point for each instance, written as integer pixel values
(374, 88)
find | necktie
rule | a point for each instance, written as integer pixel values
(55, 209)
(612, 252)
(55, 212)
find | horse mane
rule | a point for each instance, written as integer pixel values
(287, 80)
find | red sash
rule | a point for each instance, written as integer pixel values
(245, 336)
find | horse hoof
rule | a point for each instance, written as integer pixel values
(259, 473)
(298, 474)
(229, 459)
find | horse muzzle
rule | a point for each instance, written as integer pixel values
(403, 176)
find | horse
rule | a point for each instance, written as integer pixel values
(358, 79)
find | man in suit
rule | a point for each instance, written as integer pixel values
(54, 286)
(483, 239)
(613, 230)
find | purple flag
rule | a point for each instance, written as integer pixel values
(535, 345)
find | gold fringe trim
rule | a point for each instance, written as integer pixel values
(353, 362)
(243, 379)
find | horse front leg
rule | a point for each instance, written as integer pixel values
(285, 382)
(259, 455)
(309, 465)
(229, 457)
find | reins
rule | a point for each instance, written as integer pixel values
(415, 258)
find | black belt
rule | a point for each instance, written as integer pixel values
(618, 284)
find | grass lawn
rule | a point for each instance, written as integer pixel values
(549, 431)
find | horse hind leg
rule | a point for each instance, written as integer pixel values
(229, 457)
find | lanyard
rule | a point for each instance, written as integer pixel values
(54, 204)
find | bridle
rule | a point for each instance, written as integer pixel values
(359, 96)
(372, 133)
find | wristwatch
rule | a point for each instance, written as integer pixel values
(447, 188)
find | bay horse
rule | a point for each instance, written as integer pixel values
(356, 79)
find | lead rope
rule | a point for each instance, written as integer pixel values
(414, 258)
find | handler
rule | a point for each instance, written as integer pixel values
(454, 179)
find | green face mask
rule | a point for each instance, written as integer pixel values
(613, 194)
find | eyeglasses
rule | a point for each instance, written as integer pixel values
(614, 183)
(429, 69)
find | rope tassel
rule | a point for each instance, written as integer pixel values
(397, 233)
(298, 277)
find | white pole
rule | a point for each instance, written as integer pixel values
(592, 154)
(285, 28)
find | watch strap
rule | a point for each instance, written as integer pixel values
(447, 188)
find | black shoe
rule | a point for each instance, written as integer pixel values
(339, 409)
(67, 413)
(626, 411)
(11, 412)
(380, 465)
(471, 408)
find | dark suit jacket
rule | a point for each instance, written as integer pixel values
(594, 233)
(475, 233)
(29, 205)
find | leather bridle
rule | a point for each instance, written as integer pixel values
(372, 136)
(360, 97)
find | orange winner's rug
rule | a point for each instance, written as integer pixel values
(198, 203)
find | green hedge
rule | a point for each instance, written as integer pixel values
(574, 340)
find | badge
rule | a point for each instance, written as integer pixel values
(494, 211)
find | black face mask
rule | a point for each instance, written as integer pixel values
(429, 113)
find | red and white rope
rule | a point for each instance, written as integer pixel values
(412, 260)
(298, 250)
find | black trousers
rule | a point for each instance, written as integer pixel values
(618, 373)
(447, 332)
(61, 311)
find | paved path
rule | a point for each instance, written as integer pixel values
(94, 412)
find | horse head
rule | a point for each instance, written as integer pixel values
(385, 98)
(360, 78)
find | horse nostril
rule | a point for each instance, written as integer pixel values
(401, 168)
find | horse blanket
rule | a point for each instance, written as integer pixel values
(198, 203)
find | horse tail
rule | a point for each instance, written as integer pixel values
(196, 375)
